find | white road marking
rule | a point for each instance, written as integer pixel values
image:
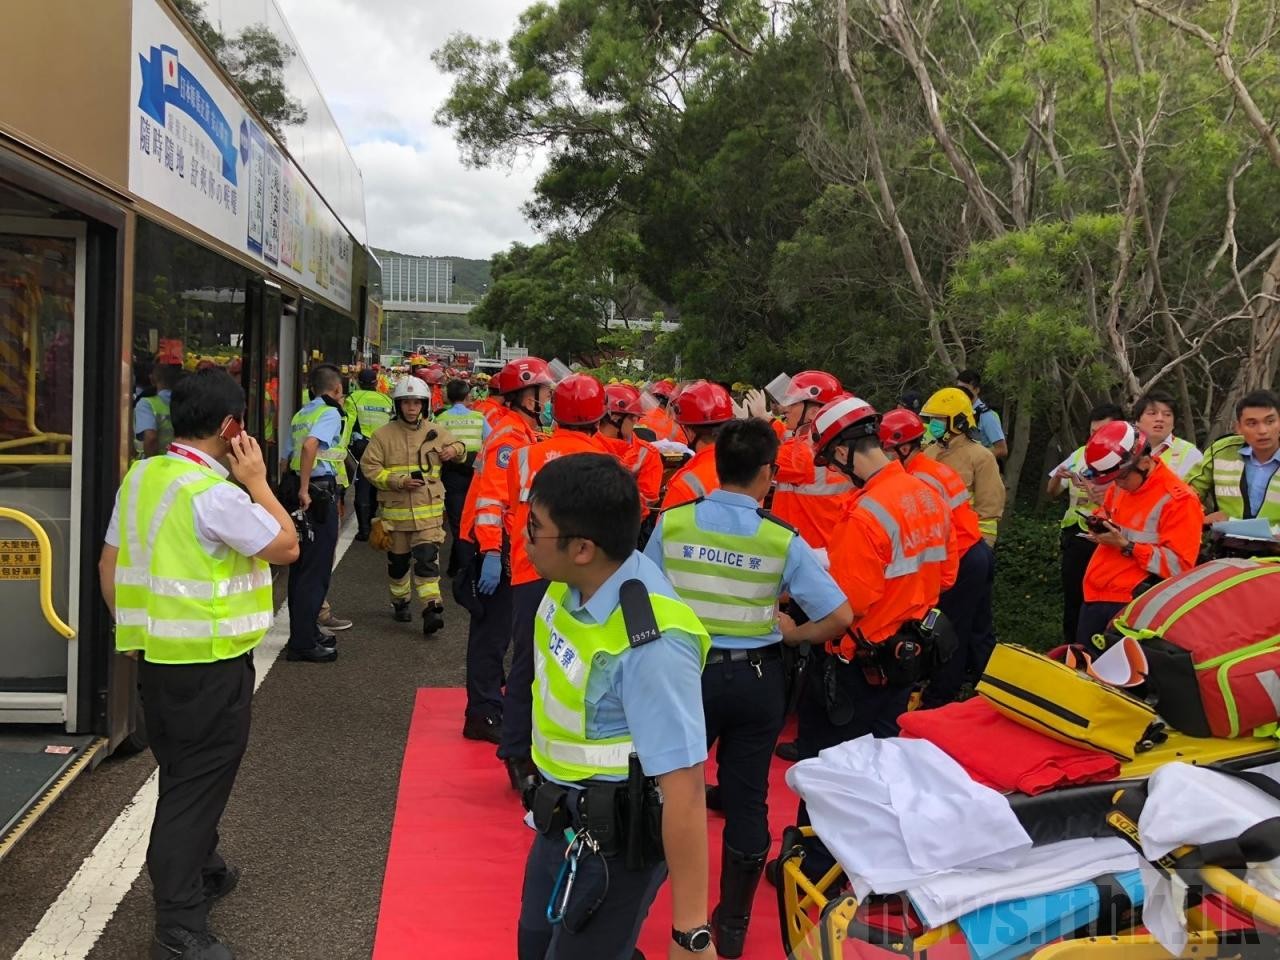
(74, 922)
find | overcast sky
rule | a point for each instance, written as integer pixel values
(372, 60)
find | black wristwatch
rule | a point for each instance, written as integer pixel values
(695, 941)
(1127, 549)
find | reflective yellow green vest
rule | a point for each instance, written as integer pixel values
(730, 581)
(1219, 480)
(1077, 499)
(175, 602)
(368, 410)
(467, 427)
(336, 455)
(1176, 455)
(565, 653)
(164, 425)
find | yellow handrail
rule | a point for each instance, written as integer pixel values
(46, 569)
(1249, 899)
(35, 440)
(33, 459)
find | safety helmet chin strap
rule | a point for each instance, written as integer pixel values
(417, 421)
(536, 413)
(847, 468)
(616, 423)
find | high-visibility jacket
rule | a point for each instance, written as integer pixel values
(1078, 502)
(893, 554)
(695, 479)
(164, 424)
(467, 427)
(396, 451)
(779, 428)
(810, 498)
(493, 410)
(644, 460)
(335, 454)
(525, 464)
(730, 581)
(1219, 481)
(566, 651)
(1163, 519)
(174, 601)
(980, 471)
(486, 502)
(1181, 456)
(663, 425)
(948, 485)
(366, 411)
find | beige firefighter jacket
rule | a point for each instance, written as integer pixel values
(395, 452)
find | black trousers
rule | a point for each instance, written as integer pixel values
(968, 606)
(310, 575)
(744, 712)
(1076, 554)
(198, 723)
(456, 478)
(1094, 618)
(517, 701)
(612, 932)
(488, 636)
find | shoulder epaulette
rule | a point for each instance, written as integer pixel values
(764, 514)
(637, 613)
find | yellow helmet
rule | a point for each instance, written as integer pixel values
(952, 405)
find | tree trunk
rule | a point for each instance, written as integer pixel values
(1018, 448)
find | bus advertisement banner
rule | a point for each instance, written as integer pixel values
(196, 153)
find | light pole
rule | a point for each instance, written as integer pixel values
(434, 325)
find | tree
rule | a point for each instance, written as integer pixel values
(256, 59)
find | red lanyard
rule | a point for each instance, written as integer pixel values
(187, 454)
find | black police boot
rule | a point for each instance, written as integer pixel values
(739, 877)
(364, 521)
(483, 728)
(401, 612)
(179, 943)
(432, 619)
(217, 886)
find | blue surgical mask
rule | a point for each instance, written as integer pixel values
(545, 418)
(936, 429)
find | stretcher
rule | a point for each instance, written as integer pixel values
(819, 917)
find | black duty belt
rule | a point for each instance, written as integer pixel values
(755, 655)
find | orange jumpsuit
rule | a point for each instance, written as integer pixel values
(1163, 519)
(892, 555)
(810, 498)
(695, 479)
(663, 425)
(487, 501)
(645, 463)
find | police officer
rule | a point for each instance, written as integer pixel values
(315, 453)
(729, 561)
(1239, 477)
(366, 410)
(470, 427)
(178, 522)
(618, 660)
(152, 427)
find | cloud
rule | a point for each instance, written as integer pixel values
(372, 61)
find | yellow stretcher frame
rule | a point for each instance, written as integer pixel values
(817, 919)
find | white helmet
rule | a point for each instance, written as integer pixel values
(411, 388)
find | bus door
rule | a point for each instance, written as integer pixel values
(42, 322)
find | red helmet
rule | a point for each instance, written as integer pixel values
(845, 415)
(623, 399)
(521, 373)
(702, 404)
(578, 401)
(900, 426)
(1114, 448)
(666, 389)
(811, 386)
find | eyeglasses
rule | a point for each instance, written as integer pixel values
(773, 469)
(530, 535)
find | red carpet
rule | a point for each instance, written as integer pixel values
(458, 845)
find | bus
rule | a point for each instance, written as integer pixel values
(151, 224)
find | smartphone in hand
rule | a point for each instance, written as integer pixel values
(231, 428)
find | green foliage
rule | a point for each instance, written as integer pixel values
(256, 59)
(1028, 588)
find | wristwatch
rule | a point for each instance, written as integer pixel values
(1127, 549)
(695, 941)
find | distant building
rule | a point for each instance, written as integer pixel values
(408, 281)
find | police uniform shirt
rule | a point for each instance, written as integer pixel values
(144, 417)
(653, 691)
(990, 429)
(462, 409)
(803, 576)
(225, 516)
(1257, 477)
(327, 430)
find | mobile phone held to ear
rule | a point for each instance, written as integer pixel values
(231, 429)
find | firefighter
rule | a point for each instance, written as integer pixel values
(808, 497)
(700, 409)
(403, 459)
(657, 423)
(617, 436)
(949, 420)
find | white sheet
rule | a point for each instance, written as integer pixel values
(897, 812)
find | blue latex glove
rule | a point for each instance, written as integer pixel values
(490, 574)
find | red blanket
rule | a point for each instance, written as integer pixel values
(1003, 754)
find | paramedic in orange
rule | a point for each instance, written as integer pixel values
(1147, 529)
(577, 406)
(967, 603)
(617, 436)
(810, 498)
(658, 420)
(525, 384)
(701, 409)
